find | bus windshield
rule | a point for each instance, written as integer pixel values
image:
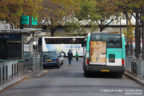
(112, 40)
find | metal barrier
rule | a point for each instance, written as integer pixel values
(10, 69)
(37, 61)
(136, 66)
(34, 63)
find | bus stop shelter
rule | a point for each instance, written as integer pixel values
(11, 53)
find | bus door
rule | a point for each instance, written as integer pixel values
(97, 53)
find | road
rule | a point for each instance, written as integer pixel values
(69, 81)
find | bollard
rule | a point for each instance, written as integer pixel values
(0, 75)
(133, 65)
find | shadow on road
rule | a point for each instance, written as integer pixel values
(103, 75)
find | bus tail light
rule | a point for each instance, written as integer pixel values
(123, 62)
(87, 61)
(57, 59)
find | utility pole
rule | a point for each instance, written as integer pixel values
(21, 25)
(30, 21)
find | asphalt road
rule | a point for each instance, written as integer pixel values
(69, 81)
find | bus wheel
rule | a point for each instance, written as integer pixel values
(119, 75)
(86, 74)
(44, 67)
(58, 66)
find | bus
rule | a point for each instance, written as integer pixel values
(104, 52)
(62, 44)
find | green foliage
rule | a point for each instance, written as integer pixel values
(57, 12)
(11, 10)
(87, 10)
(74, 28)
(129, 33)
(98, 12)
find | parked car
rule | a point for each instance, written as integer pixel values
(52, 59)
(61, 56)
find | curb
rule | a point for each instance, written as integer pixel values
(134, 77)
(10, 83)
(17, 80)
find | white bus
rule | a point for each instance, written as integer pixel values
(62, 44)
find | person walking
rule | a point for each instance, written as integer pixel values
(77, 56)
(70, 55)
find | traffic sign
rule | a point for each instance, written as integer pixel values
(34, 21)
(24, 19)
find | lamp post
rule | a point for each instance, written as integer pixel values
(74, 39)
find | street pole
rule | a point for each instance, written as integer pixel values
(120, 25)
(21, 25)
(30, 21)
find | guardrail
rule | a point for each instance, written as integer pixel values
(12, 68)
(8, 70)
(34, 63)
(135, 66)
(37, 61)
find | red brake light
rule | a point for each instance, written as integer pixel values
(88, 61)
(123, 62)
(57, 59)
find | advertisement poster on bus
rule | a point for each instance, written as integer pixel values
(65, 48)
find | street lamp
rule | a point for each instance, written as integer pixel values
(73, 40)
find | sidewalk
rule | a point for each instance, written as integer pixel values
(135, 77)
(18, 79)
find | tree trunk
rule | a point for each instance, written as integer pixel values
(52, 31)
(101, 28)
(131, 45)
(127, 42)
(137, 36)
(11, 26)
(143, 39)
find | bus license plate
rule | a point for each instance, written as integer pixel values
(48, 60)
(104, 70)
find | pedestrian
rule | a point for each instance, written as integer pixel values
(77, 56)
(70, 56)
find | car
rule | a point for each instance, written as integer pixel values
(52, 59)
(61, 56)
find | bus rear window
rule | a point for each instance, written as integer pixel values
(113, 40)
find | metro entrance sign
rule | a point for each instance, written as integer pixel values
(26, 20)
(34, 21)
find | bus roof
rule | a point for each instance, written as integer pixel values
(66, 37)
(105, 33)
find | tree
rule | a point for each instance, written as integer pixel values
(125, 7)
(131, 8)
(56, 12)
(11, 10)
(135, 7)
(140, 7)
(100, 12)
